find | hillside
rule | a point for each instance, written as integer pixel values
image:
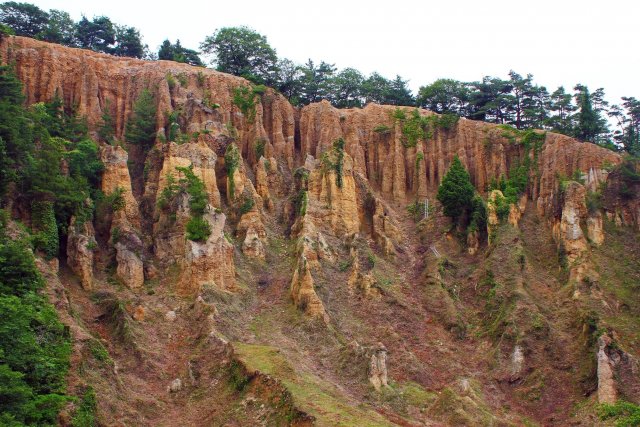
(312, 295)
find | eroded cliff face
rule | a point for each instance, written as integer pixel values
(312, 207)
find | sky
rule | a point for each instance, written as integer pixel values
(560, 42)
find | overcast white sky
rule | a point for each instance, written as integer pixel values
(560, 42)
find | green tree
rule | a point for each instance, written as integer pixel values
(589, 124)
(348, 88)
(24, 18)
(316, 82)
(399, 93)
(141, 126)
(178, 53)
(98, 34)
(628, 118)
(243, 52)
(444, 96)
(60, 28)
(128, 42)
(107, 129)
(288, 80)
(456, 191)
(561, 111)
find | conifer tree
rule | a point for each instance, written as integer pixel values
(456, 191)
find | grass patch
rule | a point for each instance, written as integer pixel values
(310, 393)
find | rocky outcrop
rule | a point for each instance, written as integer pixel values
(303, 293)
(362, 281)
(116, 178)
(595, 231)
(125, 224)
(333, 202)
(81, 244)
(568, 233)
(606, 383)
(262, 170)
(196, 155)
(378, 367)
(209, 262)
(253, 234)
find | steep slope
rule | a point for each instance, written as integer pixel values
(317, 298)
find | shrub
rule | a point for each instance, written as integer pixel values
(593, 201)
(183, 79)
(478, 214)
(198, 229)
(259, 147)
(200, 78)
(244, 99)
(246, 206)
(625, 414)
(141, 127)
(231, 163)
(382, 129)
(171, 81)
(43, 220)
(85, 415)
(413, 129)
(301, 201)
(456, 191)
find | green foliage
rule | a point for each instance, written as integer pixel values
(413, 129)
(43, 221)
(244, 97)
(198, 229)
(382, 129)
(34, 345)
(259, 147)
(300, 201)
(334, 160)
(502, 206)
(338, 147)
(141, 126)
(85, 415)
(445, 121)
(178, 53)
(200, 79)
(625, 414)
(231, 163)
(398, 115)
(243, 52)
(593, 201)
(246, 206)
(107, 129)
(171, 81)
(183, 79)
(478, 215)
(173, 124)
(456, 191)
(23, 18)
(168, 193)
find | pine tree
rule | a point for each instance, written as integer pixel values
(141, 127)
(456, 191)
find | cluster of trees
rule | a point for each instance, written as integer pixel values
(515, 100)
(35, 143)
(56, 26)
(519, 102)
(34, 346)
(244, 52)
